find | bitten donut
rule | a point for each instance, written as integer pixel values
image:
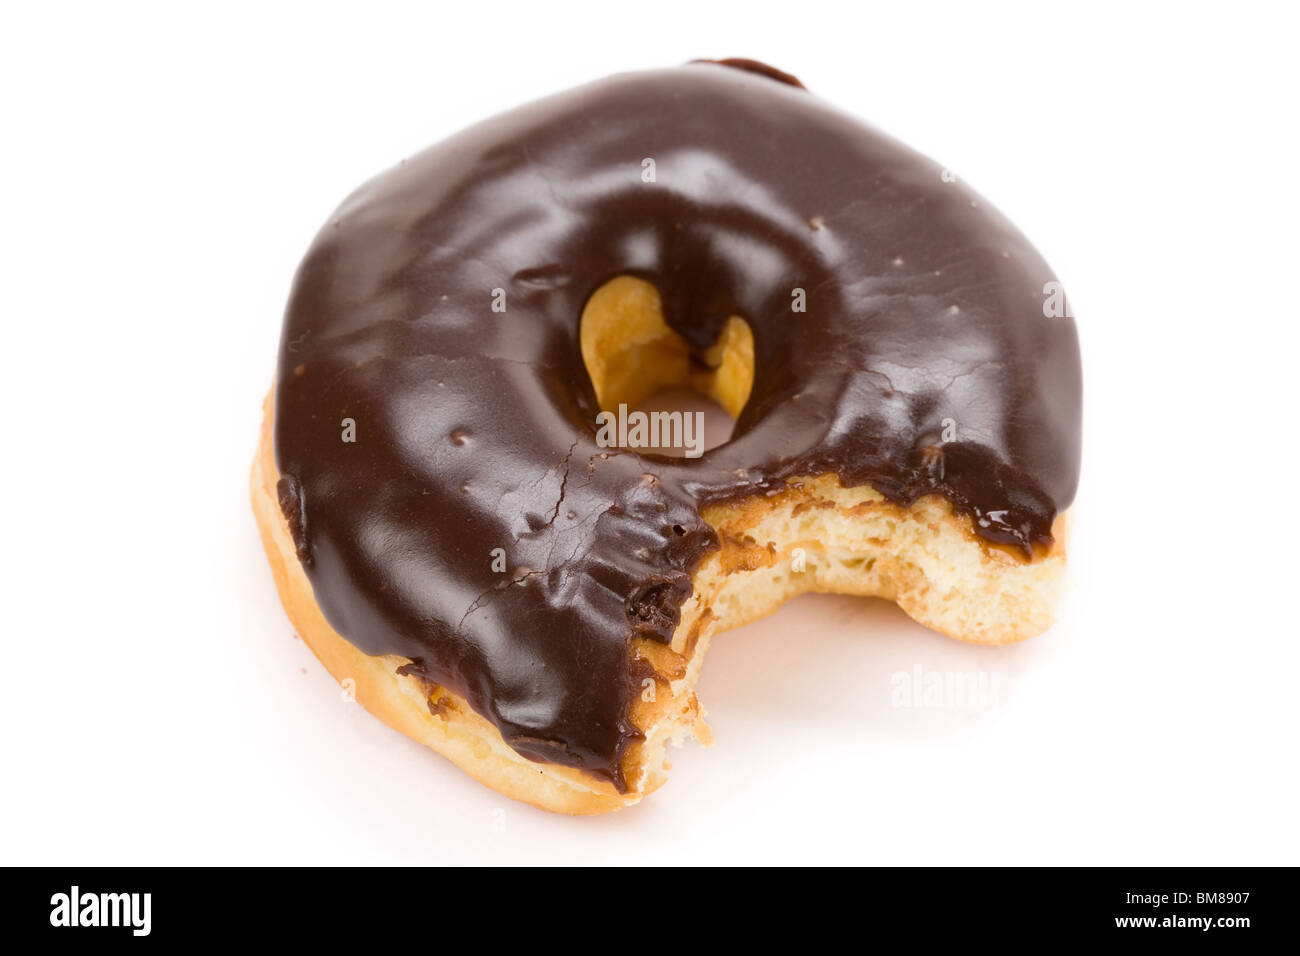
(449, 524)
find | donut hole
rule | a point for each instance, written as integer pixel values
(635, 360)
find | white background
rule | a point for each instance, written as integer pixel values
(163, 171)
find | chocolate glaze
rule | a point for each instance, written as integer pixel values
(475, 429)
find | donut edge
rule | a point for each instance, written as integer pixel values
(402, 701)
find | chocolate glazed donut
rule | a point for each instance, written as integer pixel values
(475, 428)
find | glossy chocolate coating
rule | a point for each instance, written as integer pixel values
(475, 429)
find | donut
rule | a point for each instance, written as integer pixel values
(463, 518)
